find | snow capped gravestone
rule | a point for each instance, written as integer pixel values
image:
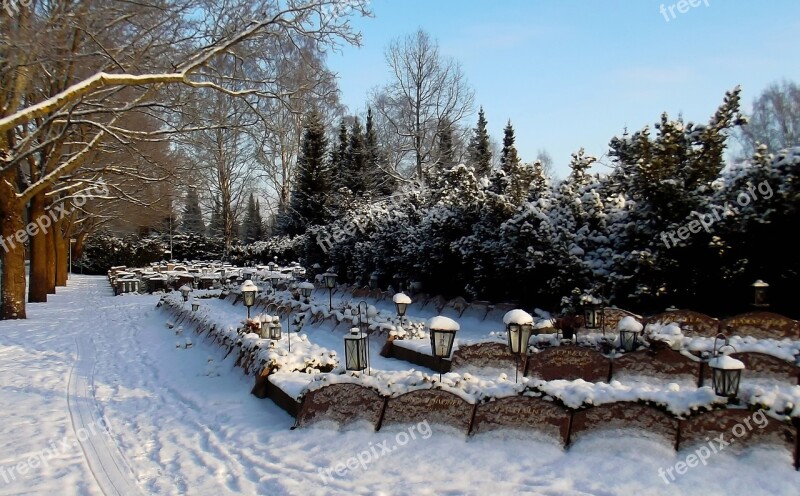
(568, 362)
(523, 412)
(342, 404)
(434, 405)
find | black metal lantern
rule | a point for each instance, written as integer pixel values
(249, 291)
(355, 350)
(443, 335)
(330, 283)
(726, 371)
(519, 326)
(275, 280)
(185, 290)
(628, 339)
(263, 326)
(760, 294)
(272, 266)
(195, 306)
(275, 329)
(401, 302)
(306, 288)
(593, 315)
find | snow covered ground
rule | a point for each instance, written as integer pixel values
(96, 399)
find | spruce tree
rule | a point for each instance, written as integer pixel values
(355, 161)
(252, 220)
(480, 152)
(312, 187)
(192, 222)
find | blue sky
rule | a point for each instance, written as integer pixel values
(575, 73)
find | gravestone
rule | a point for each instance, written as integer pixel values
(340, 403)
(628, 417)
(612, 316)
(523, 412)
(660, 362)
(483, 355)
(568, 362)
(762, 325)
(691, 323)
(739, 427)
(433, 405)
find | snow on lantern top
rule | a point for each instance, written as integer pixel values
(629, 324)
(517, 316)
(401, 298)
(443, 324)
(725, 362)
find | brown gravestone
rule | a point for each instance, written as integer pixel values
(523, 412)
(340, 403)
(762, 325)
(659, 362)
(738, 427)
(763, 366)
(612, 316)
(457, 304)
(626, 416)
(483, 355)
(691, 323)
(568, 362)
(432, 405)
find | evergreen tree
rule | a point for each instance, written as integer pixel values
(215, 227)
(338, 160)
(312, 188)
(378, 181)
(192, 222)
(480, 151)
(252, 229)
(355, 163)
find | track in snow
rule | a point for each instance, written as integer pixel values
(105, 461)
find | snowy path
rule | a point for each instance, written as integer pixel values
(105, 461)
(182, 421)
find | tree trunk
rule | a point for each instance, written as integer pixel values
(51, 262)
(13, 254)
(61, 254)
(37, 292)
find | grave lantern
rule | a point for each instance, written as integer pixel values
(264, 323)
(355, 350)
(629, 330)
(519, 326)
(330, 283)
(443, 334)
(760, 294)
(593, 315)
(306, 288)
(249, 291)
(275, 329)
(185, 290)
(726, 371)
(195, 306)
(401, 302)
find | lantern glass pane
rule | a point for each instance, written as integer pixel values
(525, 331)
(401, 308)
(249, 298)
(514, 338)
(726, 382)
(355, 353)
(275, 332)
(628, 340)
(442, 342)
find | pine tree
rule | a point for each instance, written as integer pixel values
(192, 222)
(338, 160)
(445, 150)
(313, 184)
(215, 227)
(355, 163)
(480, 152)
(376, 181)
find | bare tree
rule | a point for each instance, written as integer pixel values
(544, 158)
(774, 121)
(72, 72)
(427, 89)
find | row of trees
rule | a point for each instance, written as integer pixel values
(148, 96)
(628, 236)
